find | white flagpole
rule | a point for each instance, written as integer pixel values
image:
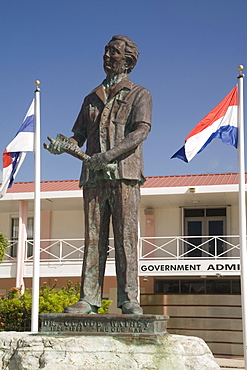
(242, 210)
(36, 244)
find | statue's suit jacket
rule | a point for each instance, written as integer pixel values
(105, 121)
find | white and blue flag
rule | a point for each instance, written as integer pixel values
(15, 152)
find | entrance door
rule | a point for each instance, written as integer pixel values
(201, 223)
(194, 228)
(216, 228)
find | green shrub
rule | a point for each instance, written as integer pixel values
(105, 304)
(15, 307)
(3, 246)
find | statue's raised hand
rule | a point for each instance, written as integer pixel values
(54, 147)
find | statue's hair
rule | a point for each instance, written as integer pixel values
(130, 49)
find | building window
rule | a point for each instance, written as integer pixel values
(197, 286)
(166, 286)
(15, 232)
(207, 222)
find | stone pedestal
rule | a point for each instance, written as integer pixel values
(24, 351)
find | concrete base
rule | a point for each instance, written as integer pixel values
(26, 351)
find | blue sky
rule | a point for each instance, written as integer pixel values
(189, 54)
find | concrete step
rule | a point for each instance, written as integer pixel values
(230, 363)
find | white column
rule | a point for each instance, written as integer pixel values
(22, 237)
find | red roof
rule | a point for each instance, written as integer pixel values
(191, 180)
(152, 182)
(26, 187)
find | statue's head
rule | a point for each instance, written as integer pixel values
(121, 55)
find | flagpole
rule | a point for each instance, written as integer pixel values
(242, 210)
(36, 244)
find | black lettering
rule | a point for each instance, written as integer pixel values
(143, 268)
(210, 267)
(230, 267)
(145, 324)
(219, 267)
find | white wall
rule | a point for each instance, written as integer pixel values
(5, 225)
(168, 222)
(234, 227)
(67, 224)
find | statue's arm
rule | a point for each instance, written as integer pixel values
(131, 141)
(78, 139)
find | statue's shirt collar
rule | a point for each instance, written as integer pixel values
(100, 90)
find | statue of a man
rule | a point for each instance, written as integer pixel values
(114, 120)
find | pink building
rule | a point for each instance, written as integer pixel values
(189, 264)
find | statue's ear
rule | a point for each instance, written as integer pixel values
(129, 63)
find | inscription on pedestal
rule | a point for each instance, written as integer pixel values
(103, 324)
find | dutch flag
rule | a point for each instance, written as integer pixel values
(220, 123)
(15, 152)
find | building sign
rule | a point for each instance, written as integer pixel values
(189, 267)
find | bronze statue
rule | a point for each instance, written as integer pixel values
(114, 120)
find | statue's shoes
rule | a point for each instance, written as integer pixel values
(131, 308)
(82, 307)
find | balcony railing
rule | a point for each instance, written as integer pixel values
(163, 248)
(190, 247)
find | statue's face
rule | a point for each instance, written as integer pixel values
(114, 57)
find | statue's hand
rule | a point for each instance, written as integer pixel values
(98, 161)
(54, 147)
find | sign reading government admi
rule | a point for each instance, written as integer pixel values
(189, 267)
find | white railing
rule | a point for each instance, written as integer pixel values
(54, 250)
(190, 247)
(167, 247)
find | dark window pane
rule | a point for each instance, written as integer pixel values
(236, 287)
(14, 228)
(194, 228)
(14, 236)
(15, 232)
(200, 286)
(218, 286)
(166, 286)
(195, 212)
(193, 286)
(30, 227)
(216, 227)
(215, 212)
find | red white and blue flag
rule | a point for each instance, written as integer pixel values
(220, 123)
(15, 152)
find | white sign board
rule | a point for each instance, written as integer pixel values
(189, 267)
